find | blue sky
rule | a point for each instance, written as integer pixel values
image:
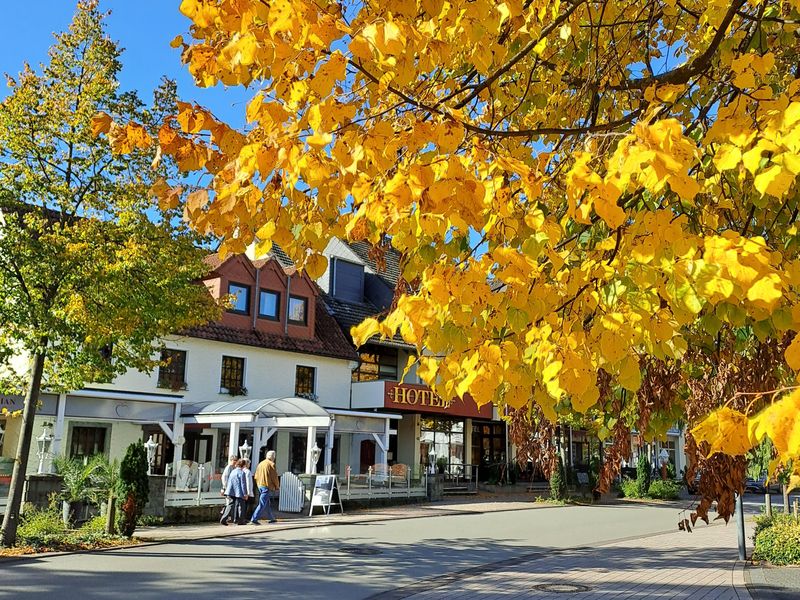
(144, 28)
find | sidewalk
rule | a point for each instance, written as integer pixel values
(773, 583)
(684, 565)
(288, 521)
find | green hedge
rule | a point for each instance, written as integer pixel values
(658, 489)
(777, 540)
(664, 490)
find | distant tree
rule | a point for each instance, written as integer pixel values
(558, 483)
(92, 272)
(642, 476)
(133, 487)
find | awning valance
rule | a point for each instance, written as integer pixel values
(277, 412)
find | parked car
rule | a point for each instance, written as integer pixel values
(754, 486)
(760, 485)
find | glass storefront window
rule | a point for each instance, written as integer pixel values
(442, 439)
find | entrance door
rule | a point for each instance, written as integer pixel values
(367, 455)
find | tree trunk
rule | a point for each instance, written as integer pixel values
(8, 536)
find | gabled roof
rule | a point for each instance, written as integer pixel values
(349, 314)
(328, 340)
(388, 273)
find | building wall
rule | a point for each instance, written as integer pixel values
(123, 435)
(408, 440)
(13, 428)
(268, 373)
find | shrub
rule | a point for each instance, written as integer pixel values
(642, 476)
(558, 484)
(40, 526)
(779, 543)
(777, 518)
(664, 490)
(133, 488)
(629, 488)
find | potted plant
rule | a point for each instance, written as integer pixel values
(77, 487)
(441, 465)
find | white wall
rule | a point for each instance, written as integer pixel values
(268, 373)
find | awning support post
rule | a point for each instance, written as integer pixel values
(311, 440)
(233, 440)
(329, 446)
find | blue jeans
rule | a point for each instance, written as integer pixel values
(263, 502)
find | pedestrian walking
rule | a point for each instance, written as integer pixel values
(226, 473)
(251, 499)
(268, 483)
(236, 490)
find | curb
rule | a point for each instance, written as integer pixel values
(739, 580)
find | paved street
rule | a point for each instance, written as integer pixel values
(615, 551)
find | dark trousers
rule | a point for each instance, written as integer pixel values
(234, 510)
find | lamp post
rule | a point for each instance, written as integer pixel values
(315, 452)
(244, 450)
(43, 442)
(151, 445)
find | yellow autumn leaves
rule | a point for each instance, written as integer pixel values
(734, 433)
(558, 210)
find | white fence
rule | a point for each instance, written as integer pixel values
(383, 485)
(376, 484)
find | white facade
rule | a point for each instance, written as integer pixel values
(267, 373)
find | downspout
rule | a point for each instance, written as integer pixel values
(257, 303)
(288, 292)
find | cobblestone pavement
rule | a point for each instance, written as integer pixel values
(695, 566)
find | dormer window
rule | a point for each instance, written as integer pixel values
(241, 298)
(298, 309)
(269, 303)
(347, 281)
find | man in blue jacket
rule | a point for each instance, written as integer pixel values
(236, 491)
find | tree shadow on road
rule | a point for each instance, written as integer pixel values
(240, 567)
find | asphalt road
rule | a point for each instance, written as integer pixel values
(317, 562)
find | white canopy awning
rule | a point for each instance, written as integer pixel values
(267, 412)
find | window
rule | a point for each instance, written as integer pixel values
(269, 303)
(347, 281)
(297, 310)
(241, 298)
(87, 441)
(232, 379)
(377, 363)
(172, 373)
(304, 382)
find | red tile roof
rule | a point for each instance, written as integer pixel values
(328, 340)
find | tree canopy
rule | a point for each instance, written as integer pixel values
(92, 275)
(595, 201)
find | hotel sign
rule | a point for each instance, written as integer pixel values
(422, 399)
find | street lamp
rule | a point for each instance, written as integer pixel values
(315, 452)
(432, 462)
(151, 445)
(244, 450)
(43, 442)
